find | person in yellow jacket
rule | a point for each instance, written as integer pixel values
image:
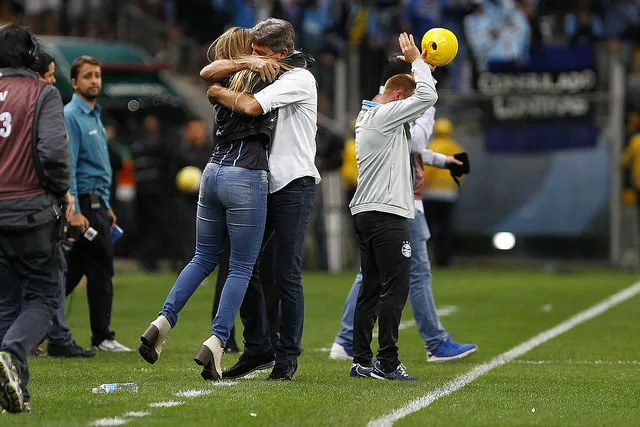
(631, 160)
(441, 193)
(349, 168)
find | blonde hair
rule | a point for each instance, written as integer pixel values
(234, 44)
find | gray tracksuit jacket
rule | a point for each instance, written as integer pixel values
(383, 144)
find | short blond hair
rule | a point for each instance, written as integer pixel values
(403, 82)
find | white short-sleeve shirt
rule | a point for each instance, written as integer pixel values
(293, 148)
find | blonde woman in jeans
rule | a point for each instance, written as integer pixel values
(233, 200)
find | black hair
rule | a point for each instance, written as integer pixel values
(395, 67)
(18, 47)
(42, 63)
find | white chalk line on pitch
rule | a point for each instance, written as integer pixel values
(456, 384)
(447, 310)
(118, 421)
(577, 362)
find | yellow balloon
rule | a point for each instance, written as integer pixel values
(441, 46)
(188, 179)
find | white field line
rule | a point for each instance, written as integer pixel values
(457, 383)
(193, 393)
(446, 310)
(577, 362)
(167, 404)
(137, 414)
(116, 421)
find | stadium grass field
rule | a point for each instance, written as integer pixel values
(587, 376)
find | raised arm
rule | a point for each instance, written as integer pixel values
(394, 114)
(222, 68)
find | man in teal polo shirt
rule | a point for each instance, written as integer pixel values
(92, 253)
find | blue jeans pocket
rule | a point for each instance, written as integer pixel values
(240, 192)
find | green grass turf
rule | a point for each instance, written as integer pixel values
(497, 309)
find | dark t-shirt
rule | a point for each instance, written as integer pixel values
(243, 141)
(249, 153)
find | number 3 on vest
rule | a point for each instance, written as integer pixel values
(5, 125)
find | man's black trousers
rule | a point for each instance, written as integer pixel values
(385, 254)
(95, 260)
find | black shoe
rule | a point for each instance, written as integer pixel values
(284, 371)
(246, 365)
(399, 374)
(71, 350)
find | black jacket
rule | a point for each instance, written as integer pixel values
(50, 157)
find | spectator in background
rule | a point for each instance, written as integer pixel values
(150, 159)
(314, 22)
(631, 161)
(349, 168)
(45, 67)
(42, 15)
(419, 16)
(441, 194)
(583, 28)
(621, 21)
(329, 145)
(194, 151)
(115, 154)
(528, 8)
(497, 32)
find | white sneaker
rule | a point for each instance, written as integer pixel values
(339, 352)
(113, 346)
(11, 398)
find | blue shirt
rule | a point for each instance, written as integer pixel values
(88, 153)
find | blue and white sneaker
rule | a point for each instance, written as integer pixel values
(449, 351)
(341, 352)
(360, 371)
(400, 374)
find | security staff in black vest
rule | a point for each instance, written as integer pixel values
(34, 178)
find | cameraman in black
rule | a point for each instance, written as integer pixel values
(34, 179)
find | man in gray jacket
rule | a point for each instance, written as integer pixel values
(382, 203)
(34, 178)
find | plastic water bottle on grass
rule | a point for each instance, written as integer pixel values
(112, 388)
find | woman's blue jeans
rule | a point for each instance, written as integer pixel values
(232, 200)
